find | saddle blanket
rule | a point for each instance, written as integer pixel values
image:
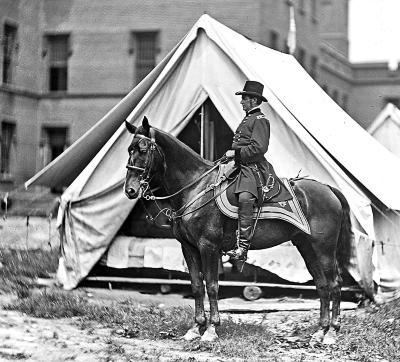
(289, 211)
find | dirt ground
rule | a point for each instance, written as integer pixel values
(35, 339)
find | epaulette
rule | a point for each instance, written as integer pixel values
(260, 116)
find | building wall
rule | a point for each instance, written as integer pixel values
(335, 76)
(307, 33)
(334, 18)
(371, 92)
(19, 100)
(101, 32)
(79, 113)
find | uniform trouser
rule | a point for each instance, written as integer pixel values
(246, 204)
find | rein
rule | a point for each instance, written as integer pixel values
(173, 215)
(147, 197)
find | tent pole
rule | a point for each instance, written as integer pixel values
(202, 130)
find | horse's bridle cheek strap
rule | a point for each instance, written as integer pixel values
(144, 176)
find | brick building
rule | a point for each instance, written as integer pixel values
(65, 63)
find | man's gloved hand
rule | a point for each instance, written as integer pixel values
(229, 155)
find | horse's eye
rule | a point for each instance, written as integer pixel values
(143, 146)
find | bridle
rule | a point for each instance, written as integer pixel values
(145, 179)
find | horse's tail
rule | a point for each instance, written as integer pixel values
(345, 235)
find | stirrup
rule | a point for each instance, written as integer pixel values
(235, 254)
(240, 253)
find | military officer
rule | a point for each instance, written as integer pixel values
(250, 143)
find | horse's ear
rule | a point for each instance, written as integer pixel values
(130, 127)
(145, 124)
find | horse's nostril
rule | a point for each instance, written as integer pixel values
(130, 191)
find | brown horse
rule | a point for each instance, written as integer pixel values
(204, 232)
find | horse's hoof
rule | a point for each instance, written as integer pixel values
(330, 337)
(317, 337)
(210, 335)
(192, 334)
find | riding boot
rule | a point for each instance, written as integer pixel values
(245, 230)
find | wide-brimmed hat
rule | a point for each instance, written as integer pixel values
(253, 88)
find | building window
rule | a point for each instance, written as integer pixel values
(273, 40)
(325, 88)
(54, 142)
(286, 47)
(313, 66)
(10, 48)
(335, 95)
(58, 48)
(393, 100)
(345, 101)
(301, 57)
(314, 10)
(146, 48)
(301, 5)
(7, 146)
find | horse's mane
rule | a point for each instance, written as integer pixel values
(179, 144)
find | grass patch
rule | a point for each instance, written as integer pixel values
(255, 342)
(372, 336)
(235, 338)
(20, 268)
(238, 340)
(52, 304)
(13, 356)
(128, 318)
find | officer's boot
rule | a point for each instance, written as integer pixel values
(245, 228)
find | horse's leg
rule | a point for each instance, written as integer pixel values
(336, 298)
(330, 337)
(210, 258)
(314, 266)
(326, 253)
(193, 261)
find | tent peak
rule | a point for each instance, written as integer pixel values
(389, 111)
(205, 17)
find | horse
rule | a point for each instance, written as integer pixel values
(158, 158)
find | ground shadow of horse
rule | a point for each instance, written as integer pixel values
(158, 158)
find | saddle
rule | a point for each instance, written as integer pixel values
(276, 205)
(271, 190)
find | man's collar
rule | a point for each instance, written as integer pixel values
(254, 110)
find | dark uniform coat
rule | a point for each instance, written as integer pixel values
(250, 143)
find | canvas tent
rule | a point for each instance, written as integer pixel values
(386, 128)
(309, 132)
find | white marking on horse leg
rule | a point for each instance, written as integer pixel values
(317, 337)
(193, 333)
(330, 337)
(210, 335)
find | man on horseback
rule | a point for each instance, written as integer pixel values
(250, 143)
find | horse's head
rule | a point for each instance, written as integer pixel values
(146, 159)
